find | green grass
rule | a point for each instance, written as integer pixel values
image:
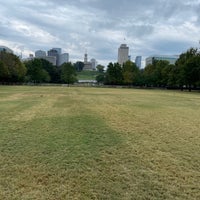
(96, 143)
(87, 75)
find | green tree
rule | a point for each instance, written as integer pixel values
(161, 73)
(100, 78)
(188, 68)
(100, 68)
(79, 66)
(149, 75)
(52, 70)
(113, 74)
(156, 74)
(14, 69)
(35, 71)
(68, 73)
(130, 73)
(4, 73)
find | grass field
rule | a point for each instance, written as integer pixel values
(95, 143)
(87, 75)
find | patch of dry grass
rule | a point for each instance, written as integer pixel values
(95, 143)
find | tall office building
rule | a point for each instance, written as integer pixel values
(54, 52)
(138, 61)
(63, 58)
(123, 53)
(40, 54)
(59, 50)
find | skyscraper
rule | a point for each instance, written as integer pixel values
(40, 54)
(123, 52)
(63, 58)
(138, 61)
(54, 52)
(59, 50)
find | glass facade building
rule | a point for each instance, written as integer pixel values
(170, 58)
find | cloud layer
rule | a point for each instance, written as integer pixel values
(100, 26)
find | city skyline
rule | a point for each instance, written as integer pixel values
(100, 26)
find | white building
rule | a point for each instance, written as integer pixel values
(94, 63)
(123, 52)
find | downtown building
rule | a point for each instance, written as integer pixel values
(123, 54)
(54, 56)
(87, 64)
(138, 61)
(170, 58)
(42, 55)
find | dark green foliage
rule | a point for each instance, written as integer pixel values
(185, 72)
(188, 66)
(4, 72)
(130, 73)
(52, 70)
(11, 68)
(68, 73)
(36, 73)
(100, 68)
(79, 66)
(41, 70)
(100, 78)
(114, 74)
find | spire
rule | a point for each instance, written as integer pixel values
(85, 56)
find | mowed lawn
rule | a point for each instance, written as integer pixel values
(96, 143)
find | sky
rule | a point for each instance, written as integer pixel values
(148, 27)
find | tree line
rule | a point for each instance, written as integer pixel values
(12, 70)
(185, 73)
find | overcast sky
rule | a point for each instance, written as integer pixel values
(147, 26)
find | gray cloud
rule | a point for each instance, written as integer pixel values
(100, 26)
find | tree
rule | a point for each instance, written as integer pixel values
(19, 71)
(100, 78)
(161, 73)
(113, 74)
(169, 74)
(156, 74)
(100, 68)
(79, 66)
(130, 73)
(68, 73)
(149, 75)
(35, 71)
(12, 69)
(52, 70)
(188, 68)
(4, 72)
